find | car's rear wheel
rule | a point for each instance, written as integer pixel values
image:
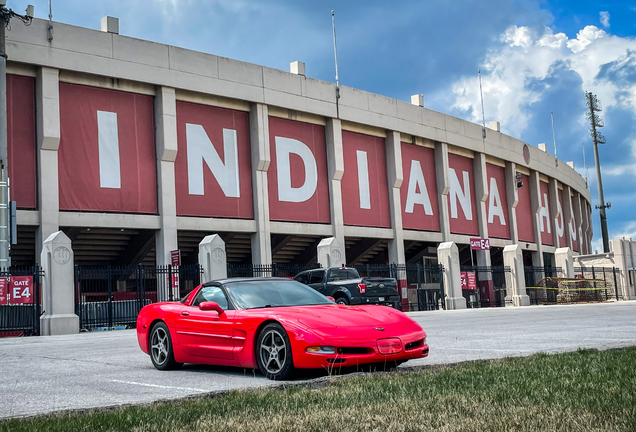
(342, 300)
(161, 353)
(273, 353)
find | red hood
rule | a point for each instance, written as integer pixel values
(332, 316)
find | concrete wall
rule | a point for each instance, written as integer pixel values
(91, 57)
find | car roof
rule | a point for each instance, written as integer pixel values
(246, 279)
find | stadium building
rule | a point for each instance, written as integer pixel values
(135, 149)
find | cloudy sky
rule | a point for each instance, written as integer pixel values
(536, 57)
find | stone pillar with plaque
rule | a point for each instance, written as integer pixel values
(330, 252)
(58, 298)
(212, 258)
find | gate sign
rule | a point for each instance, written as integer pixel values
(175, 257)
(468, 280)
(479, 244)
(3, 291)
(21, 289)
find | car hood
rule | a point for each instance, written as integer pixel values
(333, 316)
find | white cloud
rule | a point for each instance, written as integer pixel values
(604, 17)
(525, 56)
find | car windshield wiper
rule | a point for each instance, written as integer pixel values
(268, 306)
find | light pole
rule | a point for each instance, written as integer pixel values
(594, 106)
(5, 229)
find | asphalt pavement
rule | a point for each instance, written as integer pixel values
(54, 373)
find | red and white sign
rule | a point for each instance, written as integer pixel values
(106, 158)
(213, 166)
(4, 298)
(497, 204)
(420, 208)
(479, 244)
(468, 280)
(21, 140)
(21, 289)
(461, 197)
(365, 189)
(175, 257)
(297, 175)
(545, 224)
(523, 211)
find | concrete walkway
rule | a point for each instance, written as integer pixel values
(46, 374)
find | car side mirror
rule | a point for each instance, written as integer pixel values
(211, 306)
(331, 298)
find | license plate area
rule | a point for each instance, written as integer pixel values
(389, 346)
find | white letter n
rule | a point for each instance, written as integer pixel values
(200, 148)
(108, 145)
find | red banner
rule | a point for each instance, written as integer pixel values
(545, 218)
(213, 166)
(107, 156)
(4, 298)
(297, 175)
(21, 289)
(365, 189)
(420, 207)
(497, 204)
(468, 280)
(461, 197)
(175, 257)
(523, 211)
(21, 140)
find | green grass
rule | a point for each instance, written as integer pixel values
(580, 391)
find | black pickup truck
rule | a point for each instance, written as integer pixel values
(346, 286)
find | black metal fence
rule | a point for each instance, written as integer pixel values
(108, 296)
(268, 270)
(540, 283)
(20, 301)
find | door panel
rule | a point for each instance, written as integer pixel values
(205, 333)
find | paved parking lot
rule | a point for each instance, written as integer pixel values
(45, 374)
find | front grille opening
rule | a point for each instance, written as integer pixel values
(413, 345)
(336, 360)
(353, 350)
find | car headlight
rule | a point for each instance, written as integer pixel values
(321, 350)
(424, 341)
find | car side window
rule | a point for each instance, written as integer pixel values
(302, 278)
(317, 277)
(211, 293)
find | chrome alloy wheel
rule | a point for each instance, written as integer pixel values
(159, 345)
(273, 352)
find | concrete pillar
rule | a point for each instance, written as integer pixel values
(448, 256)
(212, 258)
(624, 261)
(259, 143)
(393, 146)
(166, 145)
(335, 171)
(565, 261)
(516, 283)
(58, 294)
(577, 222)
(535, 203)
(443, 187)
(512, 196)
(486, 290)
(330, 252)
(47, 91)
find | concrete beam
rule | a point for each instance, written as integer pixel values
(259, 143)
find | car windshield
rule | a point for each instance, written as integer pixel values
(273, 293)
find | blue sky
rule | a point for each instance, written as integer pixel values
(536, 57)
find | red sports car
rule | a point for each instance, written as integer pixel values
(277, 325)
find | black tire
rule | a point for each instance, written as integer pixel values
(273, 352)
(160, 347)
(342, 300)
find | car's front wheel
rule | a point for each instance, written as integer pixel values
(274, 352)
(161, 352)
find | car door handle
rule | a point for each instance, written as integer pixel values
(185, 313)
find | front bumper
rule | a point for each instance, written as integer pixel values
(410, 350)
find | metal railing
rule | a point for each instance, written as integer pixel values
(287, 270)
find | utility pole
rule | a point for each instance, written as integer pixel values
(5, 220)
(594, 105)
